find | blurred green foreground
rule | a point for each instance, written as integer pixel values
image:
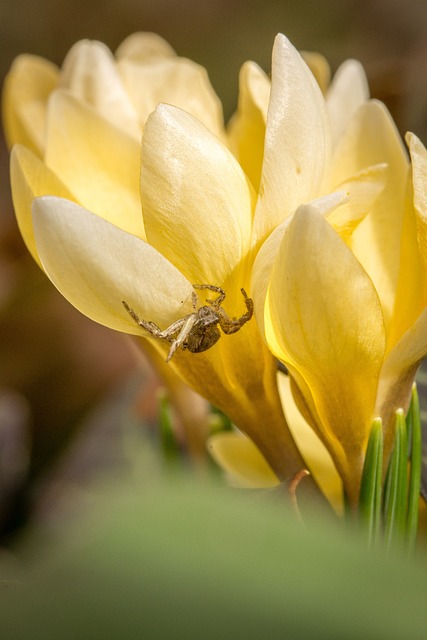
(182, 558)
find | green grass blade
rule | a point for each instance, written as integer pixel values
(415, 472)
(396, 490)
(370, 489)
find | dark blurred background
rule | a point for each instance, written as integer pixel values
(55, 365)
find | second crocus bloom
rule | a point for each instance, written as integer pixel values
(347, 320)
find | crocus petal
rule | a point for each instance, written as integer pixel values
(348, 91)
(297, 140)
(363, 189)
(196, 201)
(31, 178)
(26, 89)
(176, 81)
(95, 266)
(264, 262)
(408, 340)
(89, 72)
(398, 373)
(328, 324)
(247, 127)
(411, 287)
(242, 461)
(372, 138)
(96, 161)
(143, 46)
(419, 169)
(312, 448)
(319, 67)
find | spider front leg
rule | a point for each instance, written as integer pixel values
(231, 325)
(211, 287)
(177, 333)
(153, 329)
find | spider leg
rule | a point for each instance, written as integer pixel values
(231, 325)
(194, 300)
(211, 287)
(153, 329)
(186, 325)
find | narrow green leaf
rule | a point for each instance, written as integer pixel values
(396, 487)
(415, 473)
(370, 489)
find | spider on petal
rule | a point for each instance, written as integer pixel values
(197, 331)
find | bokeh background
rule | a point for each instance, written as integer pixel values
(63, 379)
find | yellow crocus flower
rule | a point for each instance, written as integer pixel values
(348, 315)
(119, 220)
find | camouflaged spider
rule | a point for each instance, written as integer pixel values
(197, 331)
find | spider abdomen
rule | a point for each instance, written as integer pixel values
(203, 337)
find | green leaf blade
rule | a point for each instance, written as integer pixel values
(415, 471)
(395, 508)
(370, 490)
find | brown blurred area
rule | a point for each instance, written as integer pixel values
(56, 365)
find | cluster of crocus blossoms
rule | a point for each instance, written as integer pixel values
(128, 186)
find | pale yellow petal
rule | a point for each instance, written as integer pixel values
(297, 141)
(143, 46)
(196, 201)
(327, 320)
(372, 138)
(247, 127)
(96, 265)
(348, 91)
(319, 67)
(411, 293)
(314, 452)
(176, 81)
(419, 170)
(25, 93)
(261, 272)
(363, 190)
(242, 461)
(408, 338)
(96, 161)
(31, 178)
(398, 374)
(264, 262)
(411, 296)
(89, 72)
